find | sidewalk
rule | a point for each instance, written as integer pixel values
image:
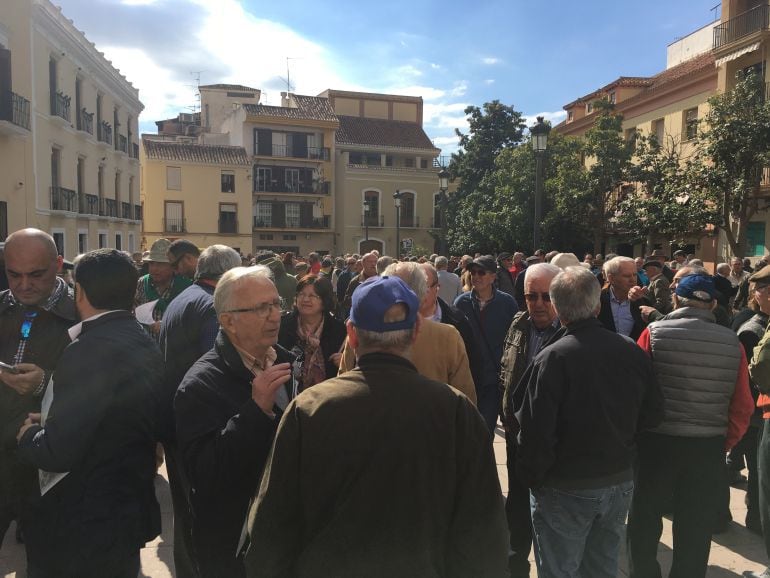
(731, 553)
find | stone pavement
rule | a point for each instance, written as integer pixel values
(731, 553)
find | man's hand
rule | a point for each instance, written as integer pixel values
(26, 381)
(636, 293)
(33, 419)
(264, 386)
(645, 311)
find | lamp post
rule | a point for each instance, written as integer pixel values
(443, 185)
(366, 219)
(539, 138)
(397, 200)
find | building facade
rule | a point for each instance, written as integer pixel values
(69, 156)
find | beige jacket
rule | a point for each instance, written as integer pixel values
(438, 353)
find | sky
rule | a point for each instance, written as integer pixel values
(532, 55)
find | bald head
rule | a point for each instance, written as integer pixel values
(31, 264)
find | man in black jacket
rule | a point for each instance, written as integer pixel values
(619, 310)
(227, 409)
(579, 418)
(94, 441)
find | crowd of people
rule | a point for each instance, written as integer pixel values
(334, 416)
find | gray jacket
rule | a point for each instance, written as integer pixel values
(696, 363)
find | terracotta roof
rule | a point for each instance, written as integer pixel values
(378, 132)
(635, 81)
(195, 153)
(229, 87)
(308, 108)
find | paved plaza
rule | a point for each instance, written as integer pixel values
(731, 553)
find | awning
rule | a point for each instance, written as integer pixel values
(737, 54)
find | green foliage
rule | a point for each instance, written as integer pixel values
(730, 153)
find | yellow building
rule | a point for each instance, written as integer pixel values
(69, 161)
(382, 149)
(197, 192)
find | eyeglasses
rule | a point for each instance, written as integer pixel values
(478, 272)
(262, 310)
(533, 297)
(311, 296)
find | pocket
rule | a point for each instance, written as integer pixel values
(569, 512)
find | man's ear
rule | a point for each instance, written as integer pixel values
(352, 335)
(227, 323)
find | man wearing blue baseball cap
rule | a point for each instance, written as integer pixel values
(702, 370)
(380, 471)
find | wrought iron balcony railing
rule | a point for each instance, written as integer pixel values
(89, 205)
(15, 109)
(410, 222)
(86, 121)
(122, 144)
(64, 199)
(60, 105)
(174, 226)
(137, 212)
(125, 211)
(104, 132)
(109, 208)
(742, 25)
(316, 223)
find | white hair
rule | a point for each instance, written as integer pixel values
(612, 266)
(234, 277)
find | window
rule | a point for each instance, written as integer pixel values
(408, 218)
(228, 181)
(266, 237)
(174, 178)
(589, 107)
(409, 162)
(658, 130)
(690, 123)
(131, 190)
(263, 214)
(611, 97)
(372, 216)
(100, 182)
(264, 180)
(570, 116)
(174, 220)
(119, 241)
(131, 243)
(117, 187)
(58, 238)
(82, 242)
(630, 135)
(228, 218)
(290, 237)
(102, 240)
(423, 163)
(53, 81)
(755, 235)
(292, 182)
(292, 214)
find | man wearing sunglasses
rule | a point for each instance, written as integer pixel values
(35, 314)
(227, 410)
(183, 257)
(528, 332)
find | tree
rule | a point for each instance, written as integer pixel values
(662, 200)
(730, 153)
(493, 129)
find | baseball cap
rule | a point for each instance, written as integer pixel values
(375, 296)
(698, 287)
(484, 262)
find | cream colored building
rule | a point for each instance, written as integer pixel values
(69, 158)
(197, 192)
(381, 149)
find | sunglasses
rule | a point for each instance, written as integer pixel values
(533, 297)
(478, 272)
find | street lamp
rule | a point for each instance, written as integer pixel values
(443, 185)
(366, 218)
(539, 138)
(397, 200)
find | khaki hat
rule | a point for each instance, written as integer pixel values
(158, 252)
(564, 260)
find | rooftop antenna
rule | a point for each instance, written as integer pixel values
(714, 10)
(196, 108)
(287, 80)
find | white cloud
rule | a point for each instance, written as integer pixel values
(490, 60)
(489, 81)
(442, 141)
(460, 88)
(554, 117)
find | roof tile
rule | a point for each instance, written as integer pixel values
(195, 153)
(308, 108)
(379, 132)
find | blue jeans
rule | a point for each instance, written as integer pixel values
(577, 533)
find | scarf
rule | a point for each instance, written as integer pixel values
(314, 366)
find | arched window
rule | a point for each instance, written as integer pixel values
(372, 214)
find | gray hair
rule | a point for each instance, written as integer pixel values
(575, 294)
(723, 267)
(441, 263)
(397, 341)
(410, 273)
(234, 277)
(541, 270)
(215, 260)
(612, 266)
(695, 262)
(383, 263)
(430, 270)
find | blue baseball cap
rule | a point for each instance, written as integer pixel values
(698, 287)
(375, 296)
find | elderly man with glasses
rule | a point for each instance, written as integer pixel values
(227, 410)
(490, 313)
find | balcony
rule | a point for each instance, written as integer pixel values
(316, 223)
(410, 222)
(289, 151)
(314, 188)
(104, 132)
(89, 205)
(751, 21)
(60, 105)
(134, 151)
(14, 114)
(85, 121)
(373, 221)
(174, 226)
(122, 144)
(64, 199)
(228, 227)
(137, 212)
(109, 208)
(125, 210)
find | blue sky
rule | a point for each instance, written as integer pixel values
(533, 55)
